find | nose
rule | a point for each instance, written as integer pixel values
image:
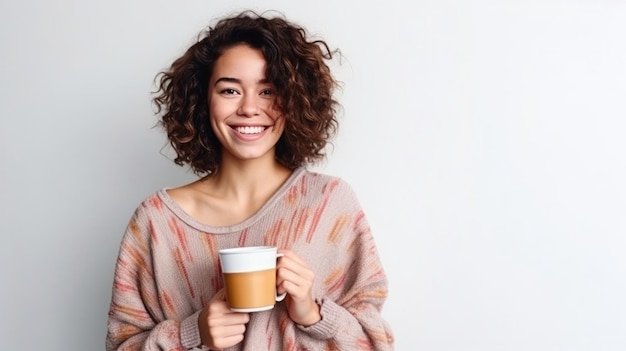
(249, 105)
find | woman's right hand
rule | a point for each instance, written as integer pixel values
(221, 328)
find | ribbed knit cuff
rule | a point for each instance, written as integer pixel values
(189, 332)
(327, 327)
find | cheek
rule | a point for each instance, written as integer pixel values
(220, 108)
(279, 124)
(216, 113)
(215, 110)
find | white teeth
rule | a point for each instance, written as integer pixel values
(250, 130)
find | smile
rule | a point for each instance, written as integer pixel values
(249, 130)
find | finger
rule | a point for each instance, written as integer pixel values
(294, 285)
(226, 337)
(220, 295)
(228, 331)
(296, 267)
(290, 255)
(218, 306)
(299, 278)
(290, 269)
(233, 320)
(227, 342)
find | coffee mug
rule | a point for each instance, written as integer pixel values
(249, 275)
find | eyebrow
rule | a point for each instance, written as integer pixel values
(237, 80)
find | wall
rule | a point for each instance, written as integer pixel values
(484, 138)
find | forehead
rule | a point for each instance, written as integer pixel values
(240, 61)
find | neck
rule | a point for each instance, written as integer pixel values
(248, 179)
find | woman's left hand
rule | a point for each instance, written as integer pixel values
(294, 277)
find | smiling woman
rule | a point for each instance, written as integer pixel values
(295, 68)
(244, 116)
(248, 108)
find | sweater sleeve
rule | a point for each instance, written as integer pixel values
(356, 288)
(136, 319)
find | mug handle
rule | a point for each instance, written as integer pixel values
(283, 295)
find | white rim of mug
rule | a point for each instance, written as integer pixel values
(246, 249)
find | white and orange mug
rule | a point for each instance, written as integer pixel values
(249, 275)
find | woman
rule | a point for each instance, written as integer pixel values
(247, 108)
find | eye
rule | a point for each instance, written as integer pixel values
(266, 92)
(229, 91)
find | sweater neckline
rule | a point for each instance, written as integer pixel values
(185, 217)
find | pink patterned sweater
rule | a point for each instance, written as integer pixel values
(167, 270)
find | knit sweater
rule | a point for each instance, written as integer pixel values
(168, 269)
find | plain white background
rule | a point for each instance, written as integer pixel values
(485, 140)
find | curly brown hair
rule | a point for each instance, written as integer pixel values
(296, 66)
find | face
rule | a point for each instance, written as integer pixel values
(242, 105)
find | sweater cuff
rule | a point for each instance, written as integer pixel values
(327, 327)
(190, 333)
